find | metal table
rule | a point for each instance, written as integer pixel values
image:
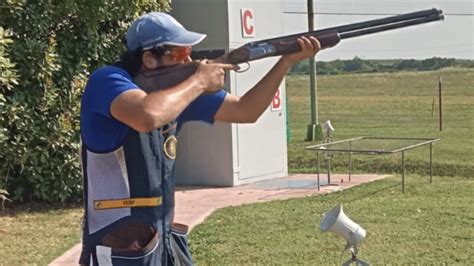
(371, 146)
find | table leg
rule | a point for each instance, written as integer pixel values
(317, 156)
(403, 171)
(431, 162)
(350, 165)
(329, 168)
(350, 160)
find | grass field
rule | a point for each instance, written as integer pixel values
(431, 222)
(389, 105)
(36, 234)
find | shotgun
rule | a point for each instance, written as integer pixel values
(169, 76)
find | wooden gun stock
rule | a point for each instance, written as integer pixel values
(166, 77)
(169, 76)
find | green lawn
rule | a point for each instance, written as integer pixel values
(36, 234)
(430, 224)
(389, 105)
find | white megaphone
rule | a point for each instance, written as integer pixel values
(328, 126)
(328, 129)
(337, 222)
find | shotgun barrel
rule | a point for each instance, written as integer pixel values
(385, 21)
(329, 37)
(400, 24)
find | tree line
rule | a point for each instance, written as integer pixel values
(359, 65)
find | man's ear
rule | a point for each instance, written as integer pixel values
(149, 60)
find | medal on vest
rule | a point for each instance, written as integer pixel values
(169, 147)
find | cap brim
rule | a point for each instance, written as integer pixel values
(187, 38)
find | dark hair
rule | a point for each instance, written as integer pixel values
(131, 61)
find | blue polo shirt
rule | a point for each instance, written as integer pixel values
(101, 132)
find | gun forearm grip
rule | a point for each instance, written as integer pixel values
(275, 47)
(328, 40)
(288, 46)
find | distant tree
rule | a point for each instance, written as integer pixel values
(409, 64)
(359, 65)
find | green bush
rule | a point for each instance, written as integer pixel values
(8, 76)
(47, 51)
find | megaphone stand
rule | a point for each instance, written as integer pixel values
(354, 258)
(353, 250)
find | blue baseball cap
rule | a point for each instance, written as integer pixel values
(157, 29)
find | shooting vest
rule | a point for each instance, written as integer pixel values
(129, 203)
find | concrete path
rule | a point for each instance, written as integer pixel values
(194, 204)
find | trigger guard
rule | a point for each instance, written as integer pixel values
(240, 69)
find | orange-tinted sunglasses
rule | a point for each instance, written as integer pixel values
(180, 53)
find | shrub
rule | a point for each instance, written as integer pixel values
(47, 50)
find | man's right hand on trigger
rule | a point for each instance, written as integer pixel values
(212, 75)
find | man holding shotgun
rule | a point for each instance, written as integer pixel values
(129, 140)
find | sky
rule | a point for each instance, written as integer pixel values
(451, 38)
